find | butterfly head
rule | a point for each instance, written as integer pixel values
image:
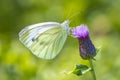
(65, 26)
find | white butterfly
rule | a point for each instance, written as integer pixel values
(45, 40)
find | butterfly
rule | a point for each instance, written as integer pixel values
(45, 40)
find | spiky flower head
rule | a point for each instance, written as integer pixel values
(86, 48)
(80, 31)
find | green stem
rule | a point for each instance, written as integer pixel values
(92, 69)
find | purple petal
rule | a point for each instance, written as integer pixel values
(80, 31)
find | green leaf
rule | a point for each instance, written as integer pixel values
(81, 69)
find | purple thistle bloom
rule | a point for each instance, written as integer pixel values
(86, 48)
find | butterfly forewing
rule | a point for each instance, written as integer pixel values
(44, 41)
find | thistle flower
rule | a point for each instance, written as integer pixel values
(86, 48)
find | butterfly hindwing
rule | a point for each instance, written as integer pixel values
(52, 43)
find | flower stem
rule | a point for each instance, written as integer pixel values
(92, 69)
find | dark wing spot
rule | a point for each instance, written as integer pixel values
(33, 39)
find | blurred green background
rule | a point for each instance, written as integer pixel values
(102, 18)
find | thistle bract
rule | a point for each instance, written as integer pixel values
(86, 48)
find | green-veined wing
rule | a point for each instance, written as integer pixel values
(45, 40)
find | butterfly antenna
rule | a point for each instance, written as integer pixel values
(69, 13)
(74, 16)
